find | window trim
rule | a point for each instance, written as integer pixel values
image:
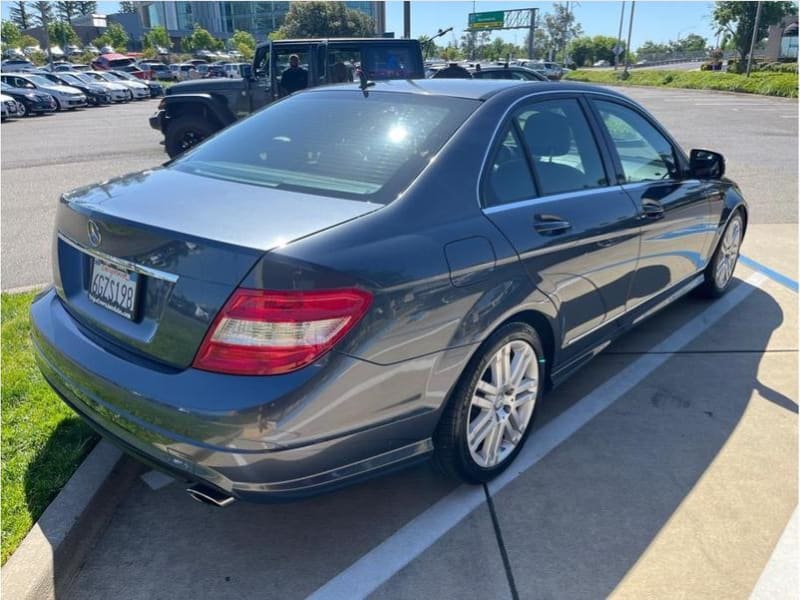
(680, 157)
(515, 131)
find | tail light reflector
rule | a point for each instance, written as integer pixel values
(265, 332)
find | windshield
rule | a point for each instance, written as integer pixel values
(109, 76)
(333, 143)
(120, 62)
(69, 78)
(122, 75)
(88, 77)
(39, 80)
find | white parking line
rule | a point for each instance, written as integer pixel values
(382, 562)
(779, 578)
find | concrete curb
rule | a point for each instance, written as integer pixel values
(26, 288)
(621, 84)
(51, 552)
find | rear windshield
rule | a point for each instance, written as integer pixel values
(334, 143)
(120, 62)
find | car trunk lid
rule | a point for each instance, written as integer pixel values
(187, 251)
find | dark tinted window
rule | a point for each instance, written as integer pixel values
(645, 154)
(491, 74)
(563, 150)
(335, 143)
(508, 178)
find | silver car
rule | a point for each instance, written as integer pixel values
(8, 107)
(119, 92)
(139, 90)
(67, 98)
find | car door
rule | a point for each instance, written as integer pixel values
(546, 187)
(674, 209)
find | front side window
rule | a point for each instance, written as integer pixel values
(645, 154)
(562, 149)
(333, 143)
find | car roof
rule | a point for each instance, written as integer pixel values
(476, 89)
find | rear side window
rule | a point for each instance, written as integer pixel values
(561, 147)
(335, 143)
(509, 178)
(645, 154)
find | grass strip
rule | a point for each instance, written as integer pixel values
(43, 441)
(762, 82)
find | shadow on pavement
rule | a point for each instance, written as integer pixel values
(576, 523)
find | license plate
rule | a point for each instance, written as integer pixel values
(114, 289)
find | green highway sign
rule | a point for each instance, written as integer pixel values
(487, 20)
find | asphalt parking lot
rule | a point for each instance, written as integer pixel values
(665, 468)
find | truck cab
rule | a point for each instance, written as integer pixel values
(193, 110)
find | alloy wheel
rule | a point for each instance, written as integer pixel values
(728, 253)
(502, 403)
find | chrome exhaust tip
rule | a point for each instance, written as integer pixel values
(208, 495)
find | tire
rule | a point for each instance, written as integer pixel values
(501, 422)
(718, 274)
(23, 110)
(185, 132)
(59, 108)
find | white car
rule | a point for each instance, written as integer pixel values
(139, 90)
(8, 107)
(67, 98)
(235, 70)
(118, 92)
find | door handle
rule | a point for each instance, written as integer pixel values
(652, 209)
(550, 224)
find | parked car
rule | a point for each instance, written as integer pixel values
(92, 48)
(112, 60)
(117, 91)
(8, 107)
(73, 50)
(161, 72)
(95, 94)
(16, 65)
(181, 71)
(154, 88)
(211, 71)
(66, 97)
(237, 70)
(138, 89)
(31, 102)
(602, 63)
(513, 72)
(334, 322)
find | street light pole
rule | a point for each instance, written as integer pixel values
(407, 19)
(619, 36)
(630, 31)
(753, 39)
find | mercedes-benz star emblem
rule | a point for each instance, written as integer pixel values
(94, 234)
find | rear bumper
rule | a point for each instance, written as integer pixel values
(228, 431)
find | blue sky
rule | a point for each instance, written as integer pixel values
(656, 21)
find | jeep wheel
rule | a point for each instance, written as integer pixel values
(185, 132)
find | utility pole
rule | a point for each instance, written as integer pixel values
(630, 31)
(564, 39)
(619, 36)
(407, 19)
(753, 40)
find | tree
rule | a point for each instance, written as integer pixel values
(737, 20)
(20, 15)
(26, 41)
(325, 19)
(86, 8)
(157, 37)
(200, 39)
(10, 34)
(653, 49)
(114, 36)
(585, 51)
(62, 33)
(42, 13)
(66, 10)
(451, 52)
(127, 7)
(244, 42)
(560, 27)
(691, 43)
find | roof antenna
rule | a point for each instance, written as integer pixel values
(364, 83)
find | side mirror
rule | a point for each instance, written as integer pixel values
(705, 164)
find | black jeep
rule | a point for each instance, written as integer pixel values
(193, 110)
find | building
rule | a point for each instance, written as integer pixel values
(782, 40)
(221, 19)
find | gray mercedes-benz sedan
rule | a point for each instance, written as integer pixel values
(354, 279)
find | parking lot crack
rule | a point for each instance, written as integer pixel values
(501, 545)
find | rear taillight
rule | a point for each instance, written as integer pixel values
(265, 332)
